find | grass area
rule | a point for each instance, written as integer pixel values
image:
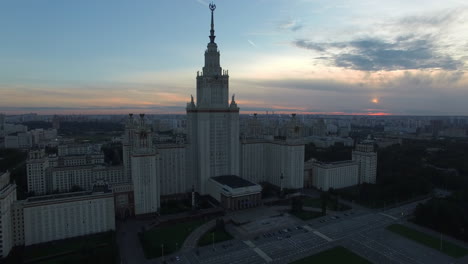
(77, 250)
(334, 255)
(174, 207)
(429, 240)
(219, 236)
(102, 255)
(306, 215)
(168, 236)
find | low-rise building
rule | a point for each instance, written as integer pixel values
(234, 192)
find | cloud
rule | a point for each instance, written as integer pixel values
(292, 25)
(373, 54)
(252, 43)
(412, 42)
(203, 2)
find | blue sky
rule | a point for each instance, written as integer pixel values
(306, 56)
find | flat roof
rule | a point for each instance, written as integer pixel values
(65, 195)
(233, 181)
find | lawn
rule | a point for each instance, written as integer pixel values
(75, 250)
(429, 240)
(219, 236)
(172, 237)
(334, 255)
(174, 207)
(306, 215)
(101, 255)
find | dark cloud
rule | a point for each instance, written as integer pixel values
(411, 46)
(373, 54)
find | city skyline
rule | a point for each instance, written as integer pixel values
(299, 56)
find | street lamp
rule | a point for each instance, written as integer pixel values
(212, 238)
(281, 185)
(162, 252)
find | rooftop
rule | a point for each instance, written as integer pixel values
(64, 195)
(233, 181)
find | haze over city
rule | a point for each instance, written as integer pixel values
(344, 57)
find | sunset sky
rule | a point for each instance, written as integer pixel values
(305, 56)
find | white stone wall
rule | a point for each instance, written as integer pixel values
(266, 160)
(253, 162)
(172, 169)
(57, 219)
(146, 183)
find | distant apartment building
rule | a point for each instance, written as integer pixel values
(36, 166)
(7, 198)
(326, 175)
(76, 166)
(366, 157)
(19, 140)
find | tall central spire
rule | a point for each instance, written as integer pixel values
(212, 36)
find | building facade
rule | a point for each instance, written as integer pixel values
(144, 170)
(61, 216)
(7, 198)
(336, 175)
(212, 122)
(366, 157)
(36, 167)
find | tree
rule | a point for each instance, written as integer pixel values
(296, 205)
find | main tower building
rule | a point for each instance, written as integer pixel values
(212, 122)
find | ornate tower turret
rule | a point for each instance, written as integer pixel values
(212, 122)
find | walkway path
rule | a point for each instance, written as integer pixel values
(192, 240)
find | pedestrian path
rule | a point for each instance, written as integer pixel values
(192, 240)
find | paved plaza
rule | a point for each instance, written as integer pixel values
(285, 239)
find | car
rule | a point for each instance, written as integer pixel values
(177, 258)
(279, 238)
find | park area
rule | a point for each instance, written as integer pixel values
(334, 255)
(99, 248)
(437, 243)
(167, 239)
